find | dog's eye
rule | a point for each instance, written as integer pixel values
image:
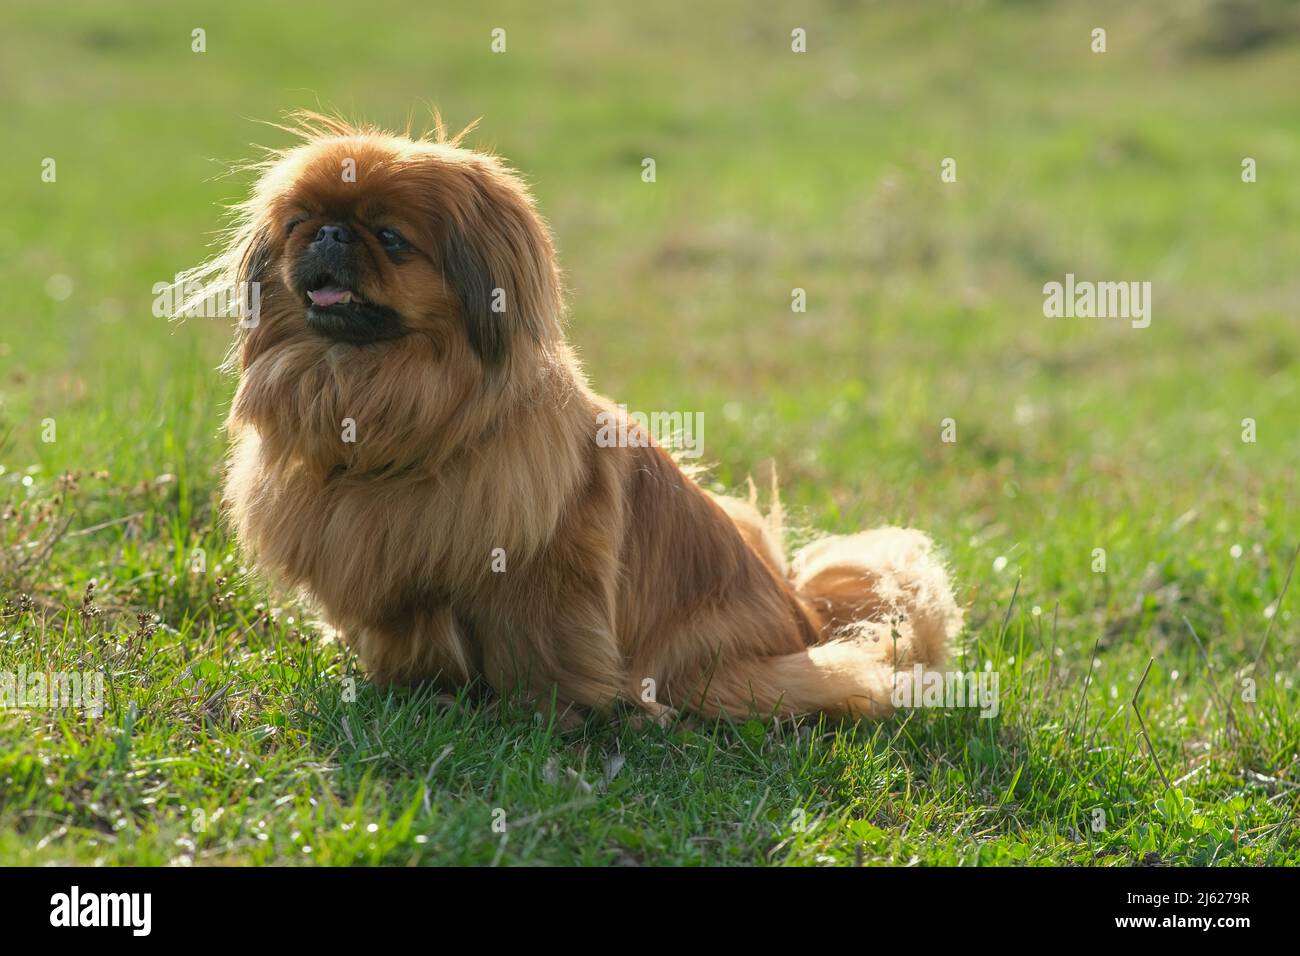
(294, 224)
(390, 238)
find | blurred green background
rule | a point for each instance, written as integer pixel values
(775, 170)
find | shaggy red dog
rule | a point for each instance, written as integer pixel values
(415, 445)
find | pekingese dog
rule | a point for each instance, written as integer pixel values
(414, 444)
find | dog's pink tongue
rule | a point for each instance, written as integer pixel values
(329, 295)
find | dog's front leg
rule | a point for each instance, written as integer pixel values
(415, 644)
(558, 662)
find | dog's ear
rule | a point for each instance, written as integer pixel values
(498, 258)
(253, 256)
(244, 269)
(468, 273)
(234, 276)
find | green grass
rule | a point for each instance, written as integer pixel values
(775, 171)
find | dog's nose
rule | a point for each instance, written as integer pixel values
(334, 233)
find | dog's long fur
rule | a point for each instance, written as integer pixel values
(475, 431)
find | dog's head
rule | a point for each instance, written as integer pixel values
(387, 269)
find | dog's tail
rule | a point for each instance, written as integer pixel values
(884, 603)
(885, 587)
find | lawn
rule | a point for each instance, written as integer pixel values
(1099, 508)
